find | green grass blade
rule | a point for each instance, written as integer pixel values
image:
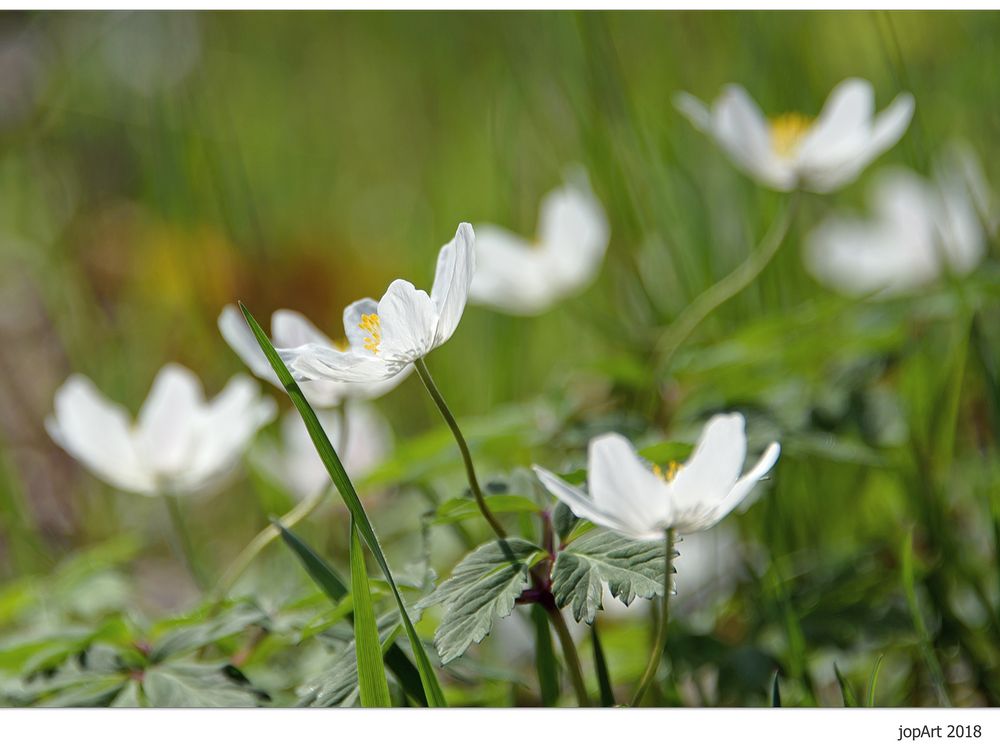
(775, 693)
(432, 688)
(850, 701)
(601, 667)
(873, 682)
(546, 663)
(334, 587)
(372, 685)
(926, 644)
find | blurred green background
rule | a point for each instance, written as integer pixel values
(155, 167)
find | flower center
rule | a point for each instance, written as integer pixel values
(787, 131)
(370, 323)
(668, 474)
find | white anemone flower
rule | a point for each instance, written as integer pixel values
(527, 276)
(386, 336)
(290, 329)
(642, 501)
(920, 230)
(180, 444)
(296, 463)
(793, 151)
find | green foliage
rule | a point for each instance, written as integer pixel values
(432, 689)
(630, 569)
(482, 588)
(372, 685)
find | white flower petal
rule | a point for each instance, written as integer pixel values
(290, 329)
(713, 468)
(745, 484)
(510, 273)
(887, 129)
(317, 363)
(573, 230)
(408, 320)
(225, 429)
(580, 503)
(843, 124)
(456, 266)
(240, 338)
(745, 135)
(694, 109)
(98, 433)
(352, 322)
(622, 485)
(168, 420)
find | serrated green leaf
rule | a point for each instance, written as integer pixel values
(130, 696)
(192, 685)
(372, 685)
(630, 569)
(482, 588)
(431, 686)
(190, 637)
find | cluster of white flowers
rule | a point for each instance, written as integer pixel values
(921, 230)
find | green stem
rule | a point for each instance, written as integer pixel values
(184, 540)
(656, 655)
(713, 297)
(569, 654)
(264, 538)
(470, 470)
(270, 533)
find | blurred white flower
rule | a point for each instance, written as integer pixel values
(290, 329)
(639, 500)
(296, 463)
(526, 277)
(920, 231)
(148, 51)
(179, 444)
(384, 338)
(793, 151)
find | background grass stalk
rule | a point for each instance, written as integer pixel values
(470, 469)
(656, 655)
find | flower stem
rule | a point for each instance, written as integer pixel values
(714, 296)
(184, 540)
(661, 632)
(270, 533)
(569, 654)
(470, 470)
(264, 538)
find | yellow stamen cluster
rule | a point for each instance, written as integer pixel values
(787, 131)
(370, 323)
(668, 474)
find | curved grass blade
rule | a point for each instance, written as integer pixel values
(873, 682)
(850, 701)
(372, 685)
(926, 644)
(545, 658)
(775, 692)
(432, 688)
(333, 586)
(601, 667)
